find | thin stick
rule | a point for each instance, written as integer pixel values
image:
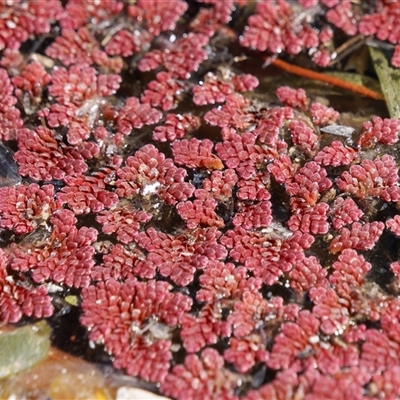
(307, 73)
(348, 47)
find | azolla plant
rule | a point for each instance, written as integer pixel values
(220, 245)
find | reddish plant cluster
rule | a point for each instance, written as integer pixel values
(74, 47)
(296, 98)
(175, 126)
(66, 257)
(137, 328)
(336, 154)
(148, 172)
(85, 194)
(123, 222)
(182, 57)
(277, 26)
(17, 300)
(79, 13)
(79, 92)
(375, 178)
(134, 115)
(24, 20)
(224, 250)
(380, 130)
(216, 88)
(42, 158)
(25, 208)
(303, 136)
(10, 119)
(164, 92)
(29, 85)
(178, 256)
(273, 28)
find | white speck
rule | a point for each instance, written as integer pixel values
(160, 331)
(313, 339)
(150, 188)
(111, 149)
(325, 345)
(11, 24)
(10, 280)
(52, 288)
(277, 231)
(67, 88)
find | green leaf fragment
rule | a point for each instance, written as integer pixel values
(389, 79)
(23, 347)
(72, 300)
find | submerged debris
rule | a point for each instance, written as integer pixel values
(8, 168)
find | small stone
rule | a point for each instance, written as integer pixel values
(129, 393)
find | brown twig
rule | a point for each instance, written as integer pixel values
(307, 73)
(348, 47)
